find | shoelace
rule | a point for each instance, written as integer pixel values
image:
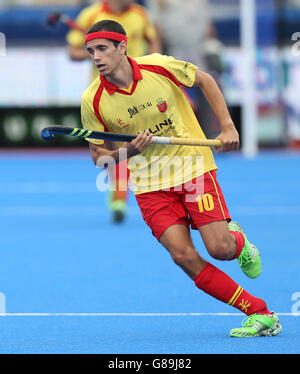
(248, 321)
(253, 323)
(245, 258)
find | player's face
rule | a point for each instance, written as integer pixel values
(123, 4)
(105, 55)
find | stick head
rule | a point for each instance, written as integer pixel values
(53, 19)
(47, 135)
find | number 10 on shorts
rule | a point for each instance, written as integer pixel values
(205, 202)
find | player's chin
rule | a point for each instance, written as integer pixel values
(102, 69)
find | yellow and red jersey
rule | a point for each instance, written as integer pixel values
(155, 101)
(134, 19)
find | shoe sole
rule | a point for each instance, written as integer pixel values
(272, 331)
(257, 254)
(118, 216)
(237, 225)
(269, 332)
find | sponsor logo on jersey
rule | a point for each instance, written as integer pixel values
(122, 124)
(185, 69)
(136, 109)
(162, 126)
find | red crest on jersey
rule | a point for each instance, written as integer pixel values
(162, 106)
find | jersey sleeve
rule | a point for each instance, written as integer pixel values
(183, 71)
(88, 119)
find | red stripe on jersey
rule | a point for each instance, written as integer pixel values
(111, 88)
(96, 102)
(128, 92)
(162, 71)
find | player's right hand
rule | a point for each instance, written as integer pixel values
(229, 138)
(140, 143)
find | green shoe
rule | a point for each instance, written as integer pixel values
(249, 259)
(117, 207)
(118, 210)
(258, 325)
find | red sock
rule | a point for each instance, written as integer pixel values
(120, 181)
(240, 242)
(219, 285)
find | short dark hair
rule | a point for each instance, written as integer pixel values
(107, 25)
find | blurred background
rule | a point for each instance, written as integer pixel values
(42, 85)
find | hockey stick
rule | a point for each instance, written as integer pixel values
(48, 134)
(56, 17)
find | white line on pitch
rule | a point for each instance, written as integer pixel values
(129, 314)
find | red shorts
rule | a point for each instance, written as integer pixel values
(195, 203)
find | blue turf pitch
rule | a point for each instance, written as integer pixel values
(65, 269)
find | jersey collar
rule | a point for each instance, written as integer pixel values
(137, 75)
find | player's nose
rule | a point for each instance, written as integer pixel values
(97, 56)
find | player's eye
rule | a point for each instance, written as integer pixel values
(102, 47)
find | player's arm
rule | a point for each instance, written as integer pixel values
(152, 35)
(229, 135)
(155, 44)
(75, 38)
(136, 146)
(78, 53)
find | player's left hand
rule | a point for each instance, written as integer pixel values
(229, 138)
(140, 143)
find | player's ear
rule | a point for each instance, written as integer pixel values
(123, 46)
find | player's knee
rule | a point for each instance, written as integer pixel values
(221, 249)
(184, 257)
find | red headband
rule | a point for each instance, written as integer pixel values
(105, 35)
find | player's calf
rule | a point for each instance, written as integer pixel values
(188, 259)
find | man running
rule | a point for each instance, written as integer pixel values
(144, 96)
